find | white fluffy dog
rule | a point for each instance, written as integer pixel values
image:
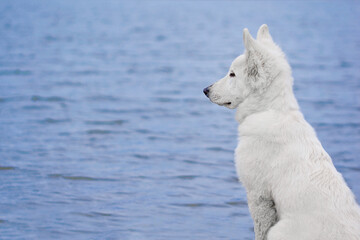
(293, 188)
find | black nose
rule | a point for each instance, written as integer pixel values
(206, 91)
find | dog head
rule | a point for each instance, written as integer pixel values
(250, 73)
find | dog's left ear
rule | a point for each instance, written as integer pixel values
(263, 33)
(255, 62)
(249, 41)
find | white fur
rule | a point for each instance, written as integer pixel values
(293, 189)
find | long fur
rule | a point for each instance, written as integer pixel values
(294, 191)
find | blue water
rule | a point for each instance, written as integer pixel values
(105, 132)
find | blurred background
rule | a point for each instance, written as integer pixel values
(105, 132)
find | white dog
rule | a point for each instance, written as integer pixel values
(293, 188)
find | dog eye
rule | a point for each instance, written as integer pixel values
(232, 74)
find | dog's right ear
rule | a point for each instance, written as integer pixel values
(263, 33)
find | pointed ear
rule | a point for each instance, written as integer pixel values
(255, 62)
(249, 41)
(263, 33)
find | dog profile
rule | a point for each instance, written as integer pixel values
(294, 191)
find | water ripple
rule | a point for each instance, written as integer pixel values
(103, 98)
(6, 168)
(15, 72)
(186, 177)
(37, 98)
(219, 149)
(99, 132)
(79, 178)
(237, 203)
(94, 214)
(199, 205)
(54, 121)
(141, 156)
(36, 107)
(69, 84)
(105, 122)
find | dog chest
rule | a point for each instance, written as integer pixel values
(253, 159)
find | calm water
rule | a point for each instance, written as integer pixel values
(105, 131)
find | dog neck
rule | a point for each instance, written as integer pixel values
(279, 97)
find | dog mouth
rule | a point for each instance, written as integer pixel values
(225, 104)
(215, 99)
